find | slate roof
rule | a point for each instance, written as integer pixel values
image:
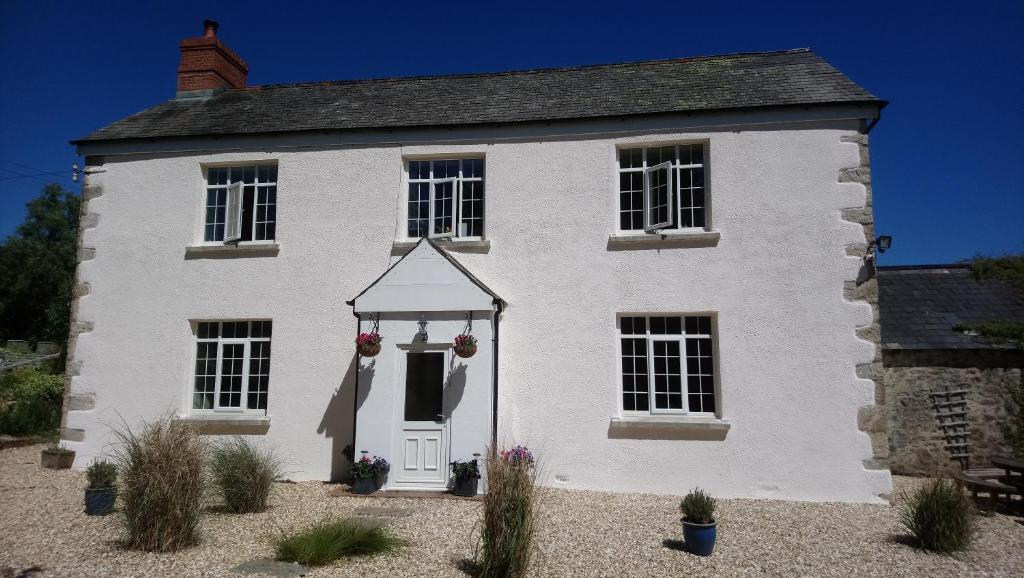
(735, 81)
(920, 306)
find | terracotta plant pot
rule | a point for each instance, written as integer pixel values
(59, 459)
(369, 350)
(466, 351)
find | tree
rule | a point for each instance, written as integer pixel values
(37, 269)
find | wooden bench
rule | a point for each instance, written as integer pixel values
(993, 488)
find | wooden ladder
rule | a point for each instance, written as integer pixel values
(951, 415)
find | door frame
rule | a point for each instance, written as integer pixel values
(398, 415)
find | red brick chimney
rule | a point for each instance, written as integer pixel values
(208, 64)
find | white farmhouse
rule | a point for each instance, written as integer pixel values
(667, 266)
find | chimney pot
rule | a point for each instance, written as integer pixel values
(207, 65)
(210, 28)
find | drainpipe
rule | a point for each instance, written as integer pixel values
(494, 364)
(355, 397)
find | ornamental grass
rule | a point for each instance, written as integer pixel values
(939, 515)
(243, 474)
(331, 540)
(510, 515)
(163, 478)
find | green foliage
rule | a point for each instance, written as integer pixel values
(38, 264)
(1009, 268)
(1014, 429)
(163, 478)
(509, 523)
(30, 402)
(466, 470)
(698, 507)
(939, 515)
(243, 474)
(1009, 332)
(331, 540)
(102, 475)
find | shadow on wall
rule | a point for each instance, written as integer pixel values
(337, 422)
(456, 387)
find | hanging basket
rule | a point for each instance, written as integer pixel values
(369, 349)
(465, 350)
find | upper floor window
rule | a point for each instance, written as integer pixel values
(662, 187)
(446, 198)
(667, 364)
(232, 365)
(241, 203)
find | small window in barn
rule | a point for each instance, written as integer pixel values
(241, 203)
(445, 198)
(661, 188)
(667, 364)
(232, 371)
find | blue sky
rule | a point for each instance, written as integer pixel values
(947, 155)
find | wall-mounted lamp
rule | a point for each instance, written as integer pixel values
(883, 242)
(423, 330)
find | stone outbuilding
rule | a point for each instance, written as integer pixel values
(946, 388)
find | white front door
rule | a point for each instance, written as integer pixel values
(423, 440)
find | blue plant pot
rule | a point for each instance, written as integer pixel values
(100, 502)
(364, 486)
(700, 538)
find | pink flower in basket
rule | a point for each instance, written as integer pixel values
(368, 339)
(465, 341)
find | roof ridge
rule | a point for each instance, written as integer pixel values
(526, 70)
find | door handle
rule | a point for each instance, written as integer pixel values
(441, 418)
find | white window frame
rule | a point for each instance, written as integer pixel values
(456, 203)
(234, 237)
(456, 197)
(650, 338)
(649, 225)
(246, 342)
(233, 213)
(674, 187)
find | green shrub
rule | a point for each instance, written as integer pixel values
(330, 540)
(30, 402)
(509, 514)
(698, 507)
(939, 515)
(243, 474)
(102, 475)
(163, 478)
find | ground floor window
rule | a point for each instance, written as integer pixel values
(232, 365)
(667, 364)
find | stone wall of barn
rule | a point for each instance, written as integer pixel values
(922, 389)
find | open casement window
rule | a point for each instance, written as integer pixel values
(658, 197)
(444, 199)
(233, 225)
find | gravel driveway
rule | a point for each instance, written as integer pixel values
(582, 534)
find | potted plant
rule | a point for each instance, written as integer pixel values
(368, 344)
(57, 458)
(699, 523)
(465, 345)
(368, 473)
(465, 477)
(101, 493)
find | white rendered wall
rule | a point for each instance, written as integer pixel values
(787, 348)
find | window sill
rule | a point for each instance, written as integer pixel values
(227, 423)
(402, 246)
(241, 249)
(669, 428)
(695, 238)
